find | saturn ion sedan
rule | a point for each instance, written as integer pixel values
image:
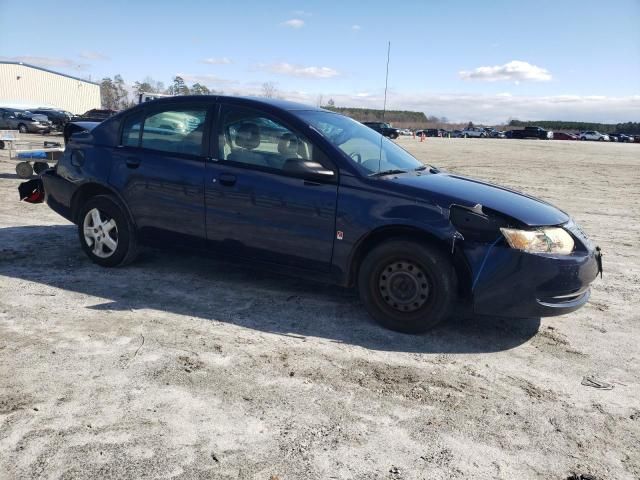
(314, 193)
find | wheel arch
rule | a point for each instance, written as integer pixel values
(405, 232)
(92, 189)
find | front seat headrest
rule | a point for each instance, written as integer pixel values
(288, 145)
(248, 136)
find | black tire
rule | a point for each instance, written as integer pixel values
(583, 139)
(1, 145)
(601, 139)
(22, 128)
(40, 167)
(109, 208)
(424, 283)
(393, 136)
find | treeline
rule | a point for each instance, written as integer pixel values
(632, 128)
(376, 115)
(115, 95)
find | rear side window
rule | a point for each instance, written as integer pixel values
(131, 131)
(175, 131)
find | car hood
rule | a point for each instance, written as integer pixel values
(446, 189)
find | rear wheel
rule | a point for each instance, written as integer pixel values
(407, 286)
(106, 234)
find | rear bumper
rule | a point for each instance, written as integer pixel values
(516, 284)
(58, 193)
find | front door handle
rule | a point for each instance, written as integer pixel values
(227, 179)
(132, 162)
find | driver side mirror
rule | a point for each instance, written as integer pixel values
(307, 169)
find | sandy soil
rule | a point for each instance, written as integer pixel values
(182, 367)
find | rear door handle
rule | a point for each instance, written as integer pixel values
(227, 179)
(132, 162)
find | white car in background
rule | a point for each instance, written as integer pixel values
(474, 132)
(593, 135)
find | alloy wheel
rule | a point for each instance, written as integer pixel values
(100, 233)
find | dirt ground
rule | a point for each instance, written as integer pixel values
(183, 367)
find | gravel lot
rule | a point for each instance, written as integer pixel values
(183, 367)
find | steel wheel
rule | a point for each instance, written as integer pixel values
(404, 286)
(100, 233)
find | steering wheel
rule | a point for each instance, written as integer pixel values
(356, 156)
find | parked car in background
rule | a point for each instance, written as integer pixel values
(384, 129)
(427, 132)
(594, 135)
(497, 134)
(59, 118)
(406, 132)
(456, 134)
(24, 121)
(621, 137)
(94, 115)
(564, 136)
(329, 199)
(474, 132)
(531, 132)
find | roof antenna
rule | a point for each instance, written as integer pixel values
(386, 81)
(384, 107)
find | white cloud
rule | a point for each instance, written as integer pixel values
(289, 69)
(90, 55)
(293, 23)
(356, 28)
(48, 62)
(217, 61)
(516, 71)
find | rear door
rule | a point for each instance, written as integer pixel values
(254, 208)
(159, 169)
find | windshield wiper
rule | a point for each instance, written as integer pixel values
(387, 172)
(421, 167)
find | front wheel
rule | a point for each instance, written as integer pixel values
(407, 286)
(106, 234)
(22, 128)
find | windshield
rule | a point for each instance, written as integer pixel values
(367, 149)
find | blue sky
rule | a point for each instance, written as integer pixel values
(466, 60)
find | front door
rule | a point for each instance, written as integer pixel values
(256, 206)
(159, 168)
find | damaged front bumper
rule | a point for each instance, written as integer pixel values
(513, 283)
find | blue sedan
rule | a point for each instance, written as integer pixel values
(310, 192)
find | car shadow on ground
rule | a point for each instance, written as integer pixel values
(211, 289)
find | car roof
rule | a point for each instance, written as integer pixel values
(273, 102)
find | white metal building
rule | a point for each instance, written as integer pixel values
(28, 86)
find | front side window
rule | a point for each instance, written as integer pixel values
(178, 130)
(251, 137)
(370, 151)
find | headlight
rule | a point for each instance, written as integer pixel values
(544, 240)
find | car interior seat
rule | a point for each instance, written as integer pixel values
(247, 138)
